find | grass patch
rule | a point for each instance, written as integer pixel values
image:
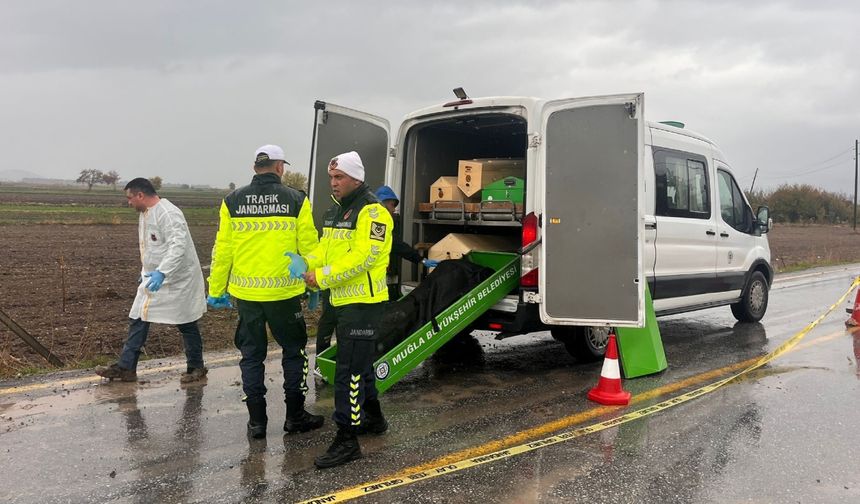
(804, 265)
(12, 214)
(29, 369)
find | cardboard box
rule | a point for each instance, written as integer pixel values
(445, 189)
(455, 245)
(506, 189)
(475, 174)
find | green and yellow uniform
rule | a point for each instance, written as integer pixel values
(352, 256)
(259, 223)
(351, 261)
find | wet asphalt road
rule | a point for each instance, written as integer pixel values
(787, 433)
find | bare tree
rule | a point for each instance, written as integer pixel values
(232, 186)
(111, 178)
(156, 182)
(90, 177)
(295, 180)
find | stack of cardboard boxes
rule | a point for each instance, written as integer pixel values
(474, 175)
(478, 180)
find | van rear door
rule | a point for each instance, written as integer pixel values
(337, 130)
(592, 166)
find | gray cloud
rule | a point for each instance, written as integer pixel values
(188, 90)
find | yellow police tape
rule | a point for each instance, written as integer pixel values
(381, 485)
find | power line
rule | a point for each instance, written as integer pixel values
(809, 172)
(806, 171)
(832, 158)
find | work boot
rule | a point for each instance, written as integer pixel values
(299, 420)
(114, 372)
(344, 449)
(374, 422)
(193, 375)
(258, 419)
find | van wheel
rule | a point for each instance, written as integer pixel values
(753, 303)
(585, 344)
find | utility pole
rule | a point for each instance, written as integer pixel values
(856, 142)
(753, 182)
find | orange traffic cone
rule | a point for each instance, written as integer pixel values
(608, 390)
(854, 320)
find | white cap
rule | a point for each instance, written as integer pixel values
(349, 163)
(269, 152)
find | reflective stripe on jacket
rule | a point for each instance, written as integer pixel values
(259, 223)
(352, 255)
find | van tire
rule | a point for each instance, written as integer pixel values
(585, 344)
(753, 303)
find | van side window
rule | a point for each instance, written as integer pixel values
(733, 207)
(681, 184)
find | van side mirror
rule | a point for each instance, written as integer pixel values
(763, 222)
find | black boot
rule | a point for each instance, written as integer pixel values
(344, 449)
(374, 422)
(299, 420)
(258, 419)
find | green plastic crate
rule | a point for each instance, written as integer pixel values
(506, 189)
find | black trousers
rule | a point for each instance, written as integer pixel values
(327, 323)
(287, 324)
(354, 376)
(393, 292)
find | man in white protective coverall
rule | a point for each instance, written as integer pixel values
(171, 289)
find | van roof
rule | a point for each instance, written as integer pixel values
(530, 103)
(679, 131)
(483, 102)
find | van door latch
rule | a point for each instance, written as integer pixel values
(531, 297)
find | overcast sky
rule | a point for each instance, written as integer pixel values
(189, 89)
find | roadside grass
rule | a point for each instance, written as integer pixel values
(15, 368)
(106, 193)
(805, 265)
(16, 214)
(11, 367)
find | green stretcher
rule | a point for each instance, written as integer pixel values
(418, 346)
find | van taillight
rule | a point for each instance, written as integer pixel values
(530, 279)
(530, 226)
(530, 231)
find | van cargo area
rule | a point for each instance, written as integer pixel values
(435, 149)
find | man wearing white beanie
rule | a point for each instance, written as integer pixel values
(351, 261)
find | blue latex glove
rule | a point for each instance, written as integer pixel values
(222, 301)
(430, 263)
(156, 278)
(298, 266)
(313, 300)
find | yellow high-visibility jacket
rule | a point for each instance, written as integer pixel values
(352, 255)
(259, 223)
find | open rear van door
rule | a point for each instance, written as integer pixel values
(337, 130)
(592, 165)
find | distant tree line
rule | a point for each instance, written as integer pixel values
(803, 203)
(295, 180)
(92, 177)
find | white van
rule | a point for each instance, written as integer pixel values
(614, 201)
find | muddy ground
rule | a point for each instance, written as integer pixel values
(71, 287)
